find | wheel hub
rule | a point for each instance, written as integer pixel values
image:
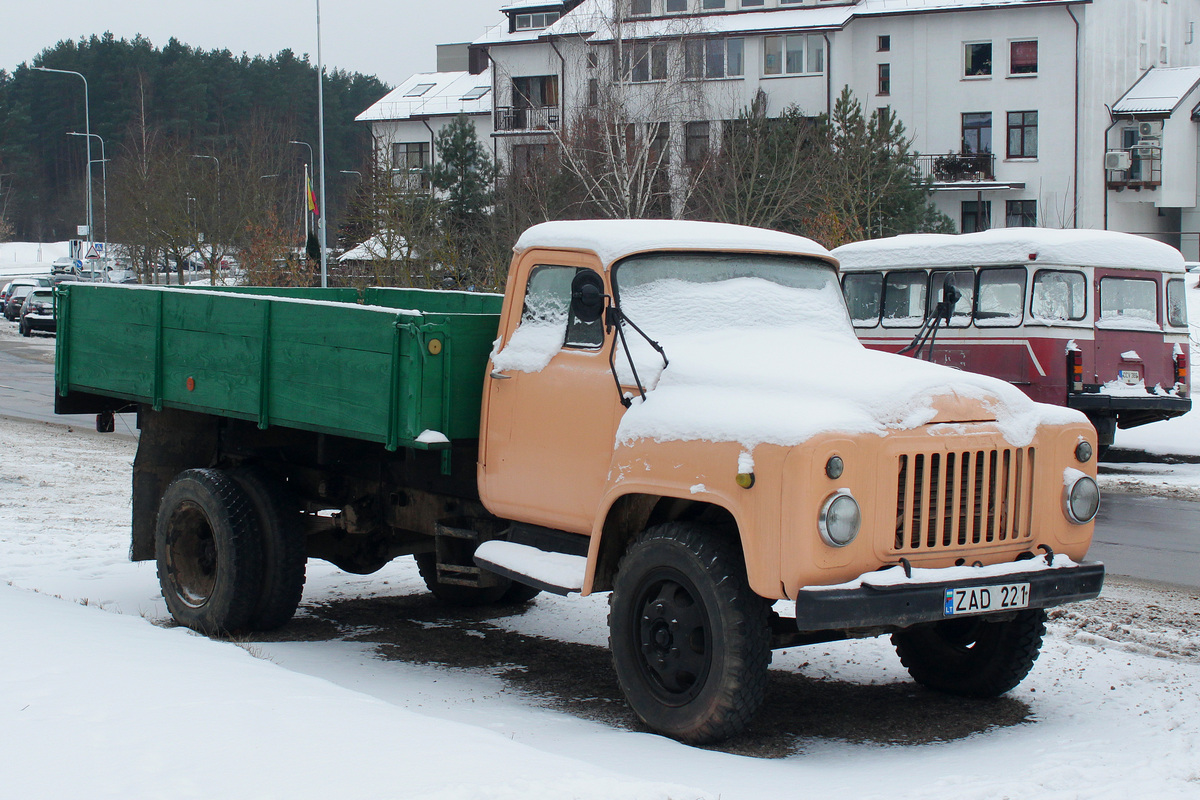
(673, 639)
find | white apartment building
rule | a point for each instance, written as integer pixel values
(1061, 113)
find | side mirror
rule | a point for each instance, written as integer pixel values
(587, 296)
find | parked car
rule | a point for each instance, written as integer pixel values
(7, 291)
(37, 312)
(12, 307)
(62, 265)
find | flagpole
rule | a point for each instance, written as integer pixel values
(321, 146)
(306, 189)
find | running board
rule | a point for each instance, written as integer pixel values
(551, 572)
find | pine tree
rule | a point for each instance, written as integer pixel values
(465, 172)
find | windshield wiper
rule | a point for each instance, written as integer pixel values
(929, 328)
(615, 317)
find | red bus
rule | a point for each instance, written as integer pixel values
(1093, 320)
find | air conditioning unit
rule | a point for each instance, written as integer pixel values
(1117, 159)
(1150, 130)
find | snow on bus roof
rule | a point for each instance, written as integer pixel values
(1073, 247)
(613, 239)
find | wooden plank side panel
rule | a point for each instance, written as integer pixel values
(223, 369)
(436, 302)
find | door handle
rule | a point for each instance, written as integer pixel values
(500, 376)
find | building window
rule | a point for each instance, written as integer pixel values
(1022, 134)
(885, 79)
(419, 89)
(646, 62)
(796, 54)
(593, 92)
(976, 215)
(883, 44)
(977, 59)
(533, 22)
(410, 165)
(695, 146)
(714, 58)
(528, 158)
(476, 93)
(1023, 57)
(713, 4)
(677, 6)
(976, 133)
(752, 3)
(1020, 213)
(639, 8)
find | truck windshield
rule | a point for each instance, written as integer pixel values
(682, 293)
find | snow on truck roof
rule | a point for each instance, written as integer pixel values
(1073, 247)
(613, 239)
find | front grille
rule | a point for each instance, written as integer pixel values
(975, 497)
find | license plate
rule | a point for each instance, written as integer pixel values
(1130, 376)
(983, 599)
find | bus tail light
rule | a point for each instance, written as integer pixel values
(1181, 372)
(1075, 370)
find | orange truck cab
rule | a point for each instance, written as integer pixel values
(690, 402)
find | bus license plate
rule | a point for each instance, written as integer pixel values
(1130, 376)
(983, 599)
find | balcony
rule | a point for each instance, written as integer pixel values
(957, 167)
(1144, 171)
(513, 118)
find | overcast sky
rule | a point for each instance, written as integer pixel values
(391, 40)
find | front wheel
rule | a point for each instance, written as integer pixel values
(209, 552)
(972, 656)
(690, 641)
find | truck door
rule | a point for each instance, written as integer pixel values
(551, 406)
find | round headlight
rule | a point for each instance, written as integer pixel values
(1082, 500)
(1083, 452)
(840, 519)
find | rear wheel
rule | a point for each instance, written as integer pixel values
(283, 552)
(24, 328)
(972, 656)
(209, 552)
(690, 641)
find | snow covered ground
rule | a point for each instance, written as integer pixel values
(374, 691)
(94, 677)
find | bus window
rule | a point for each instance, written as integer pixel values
(964, 281)
(1129, 302)
(863, 291)
(1059, 295)
(904, 299)
(1001, 300)
(1176, 305)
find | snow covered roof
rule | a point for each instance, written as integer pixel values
(1076, 247)
(613, 239)
(429, 94)
(376, 248)
(1160, 90)
(595, 15)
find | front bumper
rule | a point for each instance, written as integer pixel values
(898, 602)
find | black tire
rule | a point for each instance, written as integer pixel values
(209, 552)
(690, 641)
(25, 330)
(283, 553)
(508, 592)
(972, 656)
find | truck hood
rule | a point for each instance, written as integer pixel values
(783, 387)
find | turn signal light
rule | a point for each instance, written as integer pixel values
(1075, 370)
(1181, 373)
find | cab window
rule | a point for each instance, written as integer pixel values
(1059, 295)
(548, 306)
(904, 298)
(863, 291)
(1001, 298)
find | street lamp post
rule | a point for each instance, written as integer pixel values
(321, 144)
(103, 182)
(87, 123)
(212, 245)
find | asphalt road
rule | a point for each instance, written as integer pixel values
(1138, 536)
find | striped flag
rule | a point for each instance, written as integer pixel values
(312, 197)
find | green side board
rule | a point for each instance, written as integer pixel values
(368, 372)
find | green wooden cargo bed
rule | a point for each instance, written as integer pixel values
(406, 362)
